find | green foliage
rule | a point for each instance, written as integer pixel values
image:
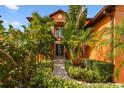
(74, 72)
(40, 30)
(89, 76)
(44, 78)
(93, 71)
(18, 51)
(84, 74)
(76, 38)
(74, 11)
(74, 23)
(2, 28)
(104, 69)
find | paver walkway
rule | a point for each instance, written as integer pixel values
(59, 68)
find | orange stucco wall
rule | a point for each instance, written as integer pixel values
(119, 14)
(59, 22)
(99, 53)
(119, 18)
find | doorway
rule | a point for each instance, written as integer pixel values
(59, 50)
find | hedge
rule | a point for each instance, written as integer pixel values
(84, 74)
(104, 69)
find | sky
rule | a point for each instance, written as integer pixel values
(16, 15)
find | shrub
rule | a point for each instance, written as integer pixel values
(89, 76)
(104, 69)
(45, 79)
(67, 64)
(74, 71)
(78, 73)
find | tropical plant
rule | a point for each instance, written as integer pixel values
(72, 26)
(40, 29)
(76, 38)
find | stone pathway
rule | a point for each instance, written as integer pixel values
(59, 68)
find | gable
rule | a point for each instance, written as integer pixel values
(58, 16)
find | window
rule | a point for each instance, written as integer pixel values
(58, 32)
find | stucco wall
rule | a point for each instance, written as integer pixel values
(119, 18)
(59, 22)
(119, 14)
(57, 19)
(101, 53)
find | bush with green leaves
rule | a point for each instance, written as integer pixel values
(104, 69)
(84, 74)
(18, 50)
(44, 78)
(89, 76)
(74, 72)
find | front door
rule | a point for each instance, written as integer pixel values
(59, 49)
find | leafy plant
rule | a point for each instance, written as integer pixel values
(18, 51)
(104, 69)
(76, 38)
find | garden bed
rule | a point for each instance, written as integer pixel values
(91, 71)
(44, 78)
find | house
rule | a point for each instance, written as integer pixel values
(109, 16)
(60, 19)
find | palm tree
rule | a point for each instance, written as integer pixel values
(86, 38)
(71, 27)
(75, 36)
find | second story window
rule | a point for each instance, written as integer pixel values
(58, 32)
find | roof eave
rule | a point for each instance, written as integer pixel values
(100, 14)
(57, 12)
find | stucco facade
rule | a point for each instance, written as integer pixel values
(59, 18)
(100, 22)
